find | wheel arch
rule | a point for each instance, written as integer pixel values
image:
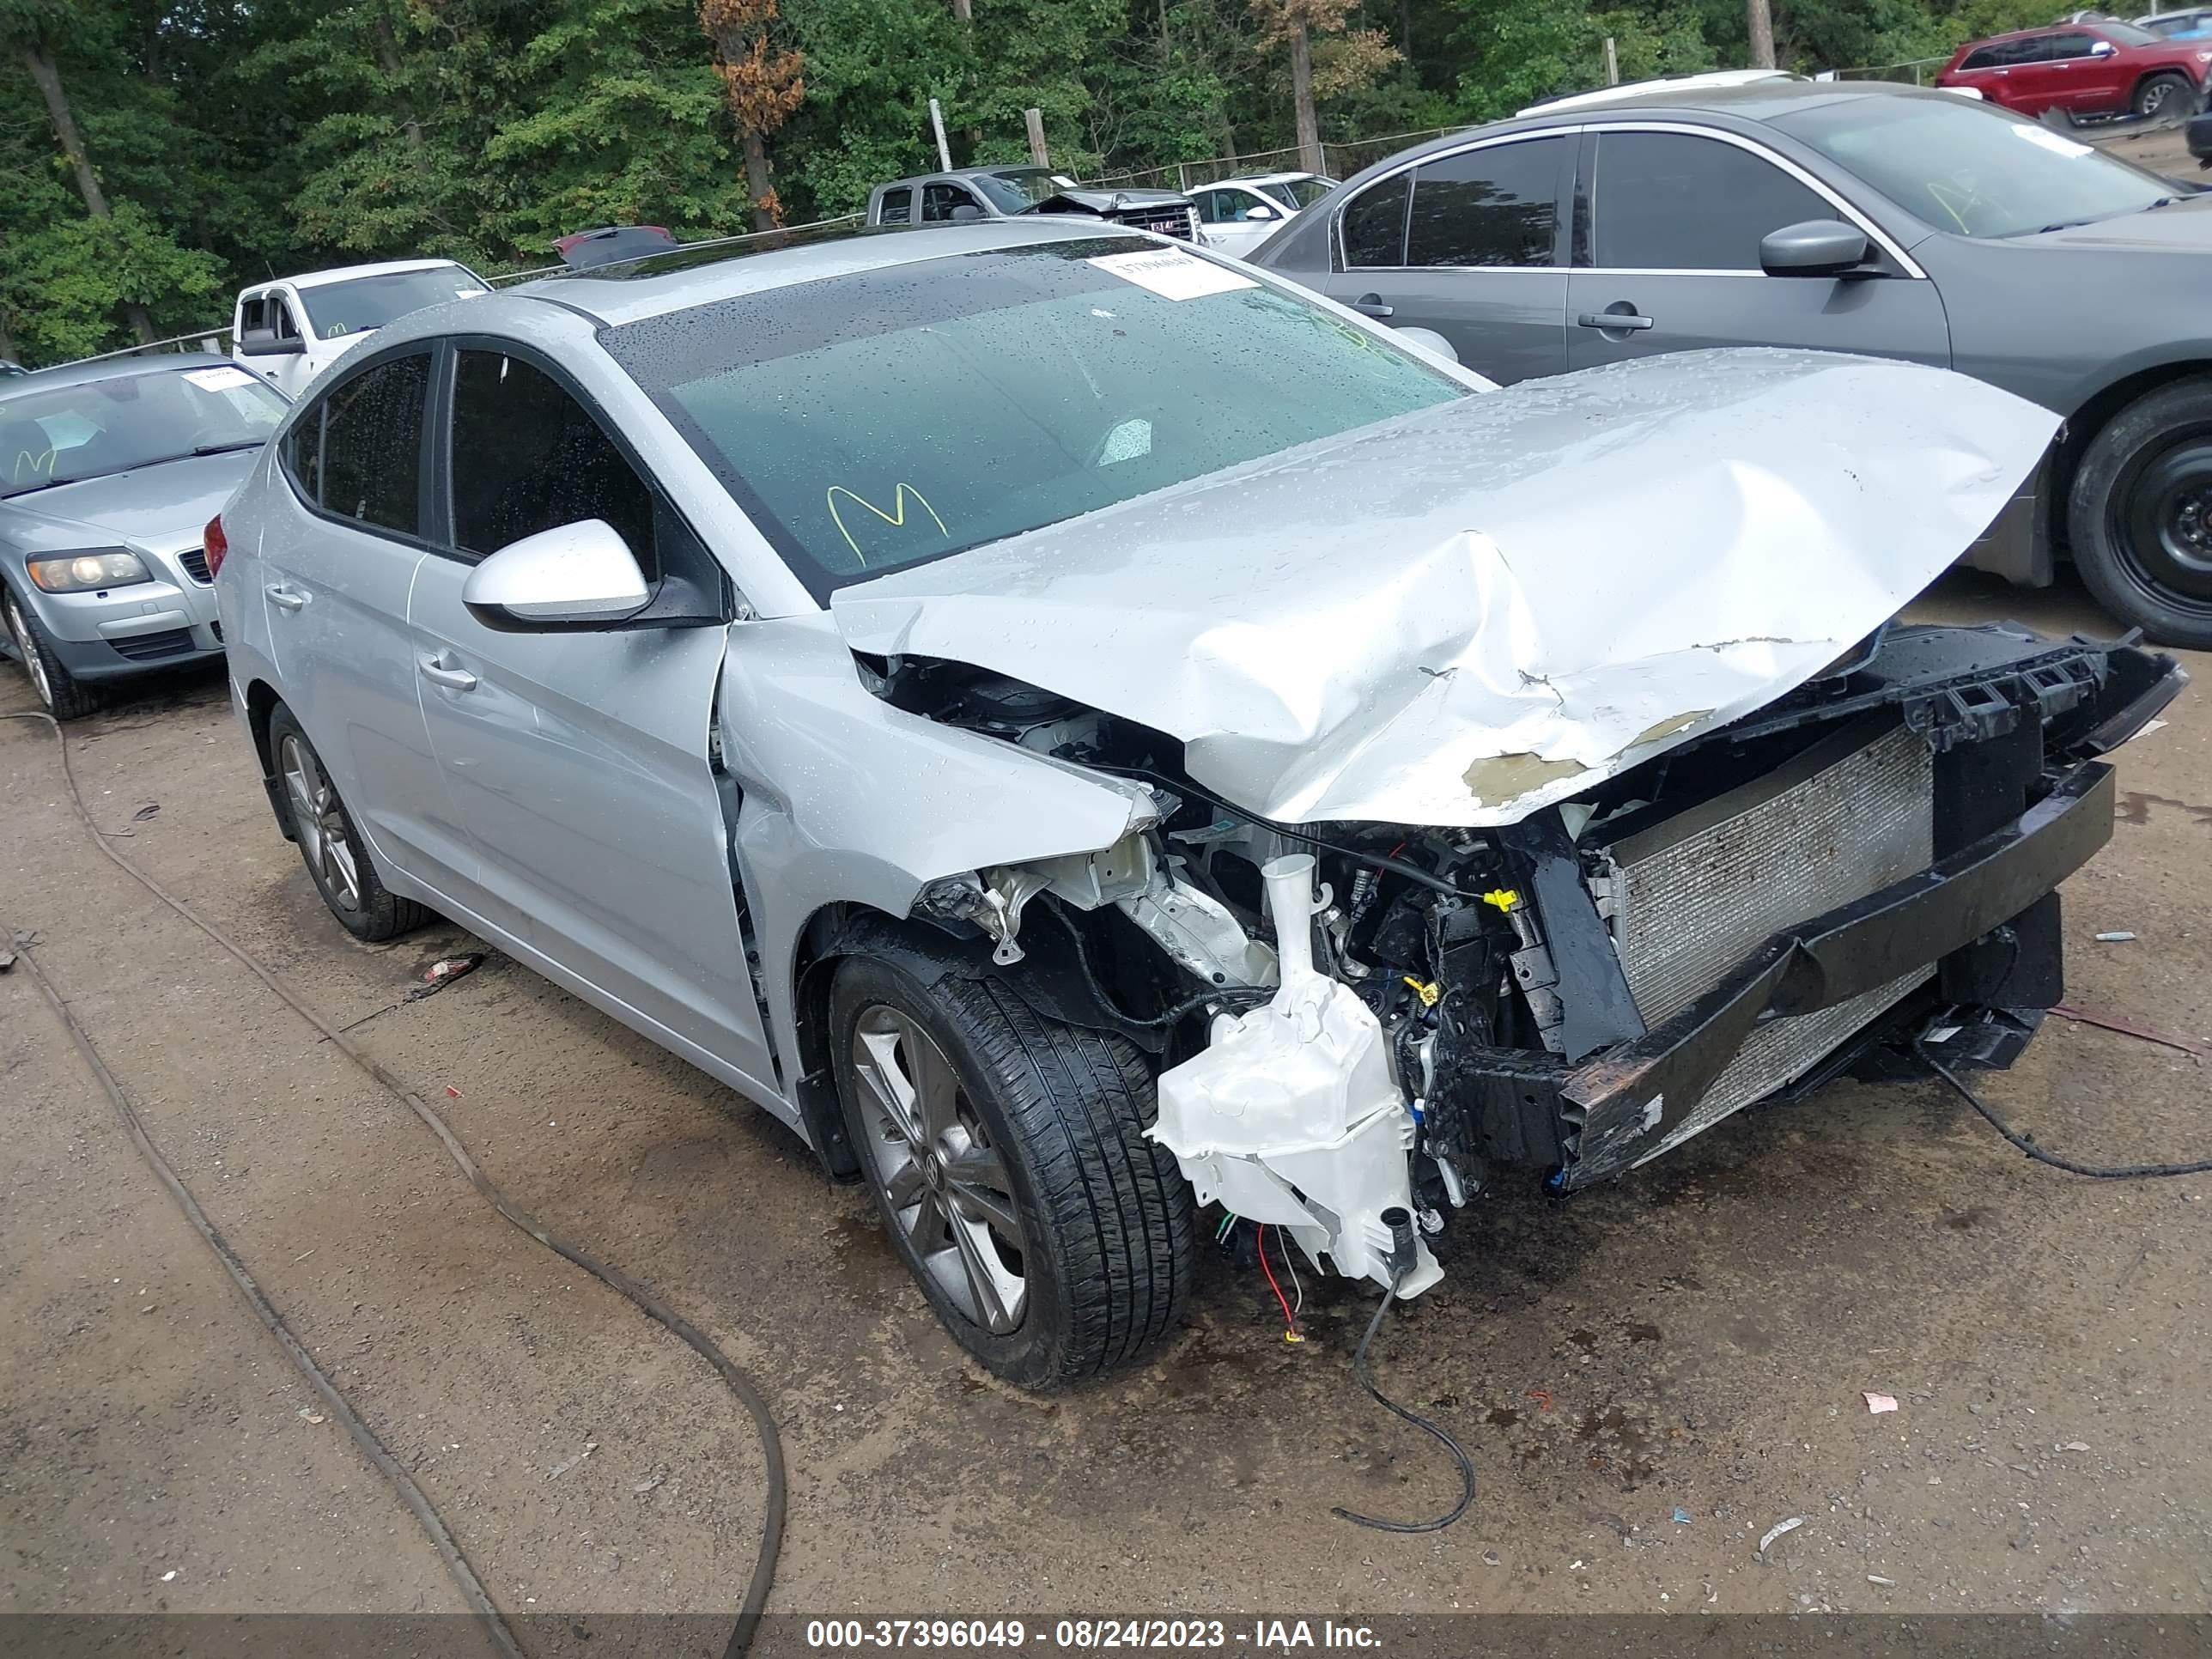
(1049, 978)
(261, 705)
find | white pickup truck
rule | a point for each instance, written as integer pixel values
(296, 327)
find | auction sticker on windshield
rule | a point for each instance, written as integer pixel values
(218, 380)
(1171, 275)
(2049, 140)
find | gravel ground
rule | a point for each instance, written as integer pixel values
(1648, 1377)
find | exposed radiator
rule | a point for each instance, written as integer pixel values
(1696, 894)
(1180, 221)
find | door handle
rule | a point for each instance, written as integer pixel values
(285, 597)
(1620, 320)
(441, 673)
(1370, 305)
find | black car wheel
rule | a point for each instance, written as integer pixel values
(2162, 95)
(2141, 514)
(337, 859)
(66, 697)
(1008, 1159)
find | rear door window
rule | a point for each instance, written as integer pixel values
(1672, 201)
(897, 207)
(1374, 224)
(527, 456)
(1495, 206)
(371, 469)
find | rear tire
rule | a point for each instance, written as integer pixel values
(1007, 1156)
(2140, 514)
(2158, 94)
(66, 697)
(336, 856)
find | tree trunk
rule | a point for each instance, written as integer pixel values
(48, 76)
(1761, 21)
(1406, 36)
(1302, 98)
(387, 60)
(756, 180)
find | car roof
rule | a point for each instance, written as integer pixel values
(1759, 101)
(347, 273)
(1708, 80)
(703, 272)
(111, 368)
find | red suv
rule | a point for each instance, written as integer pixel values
(2085, 68)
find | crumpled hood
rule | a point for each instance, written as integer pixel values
(1107, 200)
(162, 508)
(1462, 615)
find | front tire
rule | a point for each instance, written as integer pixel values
(2140, 514)
(1007, 1156)
(66, 697)
(332, 848)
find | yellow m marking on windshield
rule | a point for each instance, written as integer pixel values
(896, 517)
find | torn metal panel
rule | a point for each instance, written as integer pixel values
(1462, 615)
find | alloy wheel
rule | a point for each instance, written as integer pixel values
(33, 664)
(320, 824)
(943, 1181)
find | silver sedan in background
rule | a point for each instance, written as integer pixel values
(108, 471)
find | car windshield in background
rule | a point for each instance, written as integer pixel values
(337, 309)
(1975, 171)
(72, 433)
(878, 420)
(1016, 190)
(1296, 193)
(2127, 34)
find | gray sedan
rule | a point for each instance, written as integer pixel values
(1866, 218)
(108, 472)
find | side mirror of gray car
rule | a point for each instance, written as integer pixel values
(571, 577)
(1818, 247)
(264, 342)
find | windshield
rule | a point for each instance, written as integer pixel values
(337, 309)
(1016, 190)
(1974, 170)
(1296, 193)
(117, 425)
(892, 417)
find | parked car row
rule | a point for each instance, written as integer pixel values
(1080, 726)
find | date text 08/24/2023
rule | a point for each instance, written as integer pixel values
(1085, 1635)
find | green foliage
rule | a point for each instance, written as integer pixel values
(237, 139)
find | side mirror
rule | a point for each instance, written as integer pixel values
(2102, 49)
(966, 213)
(1429, 340)
(264, 342)
(574, 576)
(1818, 247)
(1261, 210)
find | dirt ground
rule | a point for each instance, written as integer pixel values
(1648, 1377)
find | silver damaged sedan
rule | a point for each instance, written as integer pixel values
(107, 473)
(1083, 731)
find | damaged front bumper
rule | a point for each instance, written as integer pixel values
(1616, 1110)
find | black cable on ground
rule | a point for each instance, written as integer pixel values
(1459, 1454)
(748, 1393)
(449, 1552)
(2117, 1172)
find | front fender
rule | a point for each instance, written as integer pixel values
(848, 801)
